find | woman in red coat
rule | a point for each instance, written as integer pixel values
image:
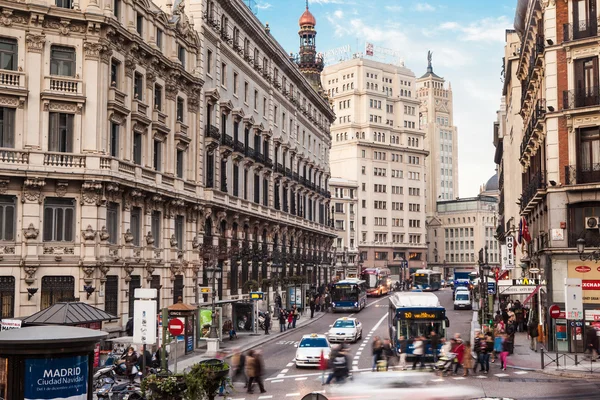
(458, 348)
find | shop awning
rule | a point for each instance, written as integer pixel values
(68, 313)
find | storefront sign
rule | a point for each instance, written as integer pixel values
(144, 321)
(510, 253)
(573, 298)
(8, 324)
(56, 378)
(592, 315)
(589, 273)
(516, 289)
(522, 282)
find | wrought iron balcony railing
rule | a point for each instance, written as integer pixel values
(238, 146)
(537, 182)
(213, 132)
(583, 97)
(580, 30)
(582, 173)
(227, 141)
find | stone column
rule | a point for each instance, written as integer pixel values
(93, 132)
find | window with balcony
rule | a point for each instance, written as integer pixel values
(257, 188)
(210, 169)
(56, 289)
(179, 163)
(245, 184)
(159, 38)
(209, 62)
(224, 175)
(578, 215)
(7, 218)
(179, 231)
(236, 180)
(180, 107)
(138, 86)
(62, 61)
(586, 82)
(59, 219)
(8, 54)
(584, 19)
(139, 23)
(114, 139)
(111, 289)
(157, 97)
(157, 155)
(181, 54)
(64, 3)
(112, 222)
(588, 162)
(135, 225)
(7, 127)
(265, 187)
(155, 227)
(137, 148)
(60, 137)
(115, 67)
(117, 14)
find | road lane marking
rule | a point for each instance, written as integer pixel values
(355, 362)
(358, 353)
(302, 379)
(289, 364)
(520, 372)
(437, 380)
(481, 376)
(292, 394)
(500, 375)
(459, 378)
(284, 371)
(280, 376)
(266, 397)
(277, 381)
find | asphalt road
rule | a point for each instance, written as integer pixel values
(284, 381)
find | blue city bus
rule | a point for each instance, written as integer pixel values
(427, 280)
(349, 295)
(414, 314)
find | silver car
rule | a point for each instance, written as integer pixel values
(345, 330)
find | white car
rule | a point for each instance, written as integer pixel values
(310, 348)
(345, 330)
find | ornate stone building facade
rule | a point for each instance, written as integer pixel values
(105, 177)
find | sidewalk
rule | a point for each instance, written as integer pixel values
(245, 341)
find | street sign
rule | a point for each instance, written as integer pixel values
(205, 290)
(176, 327)
(256, 295)
(554, 311)
(510, 252)
(491, 287)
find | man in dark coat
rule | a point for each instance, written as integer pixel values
(312, 307)
(267, 323)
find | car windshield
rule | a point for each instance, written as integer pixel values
(314, 342)
(343, 324)
(462, 296)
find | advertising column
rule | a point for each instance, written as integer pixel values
(56, 378)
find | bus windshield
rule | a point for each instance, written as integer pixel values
(345, 293)
(411, 329)
(421, 280)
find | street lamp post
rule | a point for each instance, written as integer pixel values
(216, 274)
(593, 256)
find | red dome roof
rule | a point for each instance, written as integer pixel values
(307, 19)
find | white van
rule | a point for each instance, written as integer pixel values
(462, 300)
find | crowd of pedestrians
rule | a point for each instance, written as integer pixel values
(249, 367)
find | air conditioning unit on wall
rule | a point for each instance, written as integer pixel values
(591, 222)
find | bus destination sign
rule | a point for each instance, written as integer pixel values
(422, 314)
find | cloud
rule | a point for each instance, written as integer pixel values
(484, 30)
(338, 14)
(263, 5)
(422, 7)
(394, 8)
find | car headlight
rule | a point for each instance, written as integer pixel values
(355, 304)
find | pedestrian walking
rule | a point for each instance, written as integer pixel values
(295, 316)
(532, 333)
(131, 360)
(282, 321)
(327, 302)
(489, 349)
(591, 340)
(267, 323)
(435, 344)
(388, 354)
(377, 351)
(418, 352)
(458, 349)
(478, 339)
(504, 353)
(312, 307)
(467, 358)
(403, 349)
(254, 370)
(238, 363)
(290, 319)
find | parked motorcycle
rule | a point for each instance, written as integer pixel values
(112, 390)
(113, 369)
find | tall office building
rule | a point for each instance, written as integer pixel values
(437, 122)
(376, 142)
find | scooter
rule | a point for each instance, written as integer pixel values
(113, 369)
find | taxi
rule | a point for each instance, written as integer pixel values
(308, 353)
(345, 330)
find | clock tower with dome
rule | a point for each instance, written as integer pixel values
(309, 61)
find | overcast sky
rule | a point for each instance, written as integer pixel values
(465, 36)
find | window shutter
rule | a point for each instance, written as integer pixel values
(9, 222)
(53, 133)
(70, 134)
(48, 222)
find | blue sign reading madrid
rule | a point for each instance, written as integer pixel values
(56, 378)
